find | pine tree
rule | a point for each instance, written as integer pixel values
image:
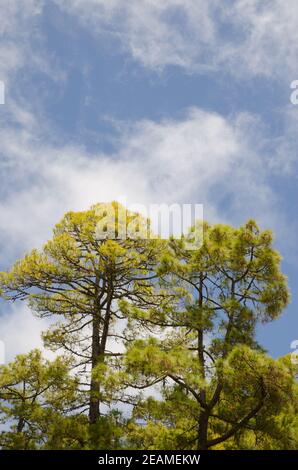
(95, 260)
(215, 378)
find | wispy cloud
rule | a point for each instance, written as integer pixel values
(202, 157)
(242, 37)
(17, 28)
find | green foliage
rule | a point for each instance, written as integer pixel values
(79, 277)
(35, 396)
(219, 292)
(152, 327)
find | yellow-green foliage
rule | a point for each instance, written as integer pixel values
(185, 323)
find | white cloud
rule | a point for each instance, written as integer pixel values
(201, 158)
(242, 36)
(22, 46)
(20, 331)
(17, 21)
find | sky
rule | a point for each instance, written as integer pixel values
(173, 101)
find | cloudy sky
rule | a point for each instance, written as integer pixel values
(172, 101)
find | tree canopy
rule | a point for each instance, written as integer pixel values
(158, 341)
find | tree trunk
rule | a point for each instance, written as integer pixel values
(94, 404)
(21, 424)
(203, 418)
(98, 356)
(203, 431)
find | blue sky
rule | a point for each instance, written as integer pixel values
(182, 101)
